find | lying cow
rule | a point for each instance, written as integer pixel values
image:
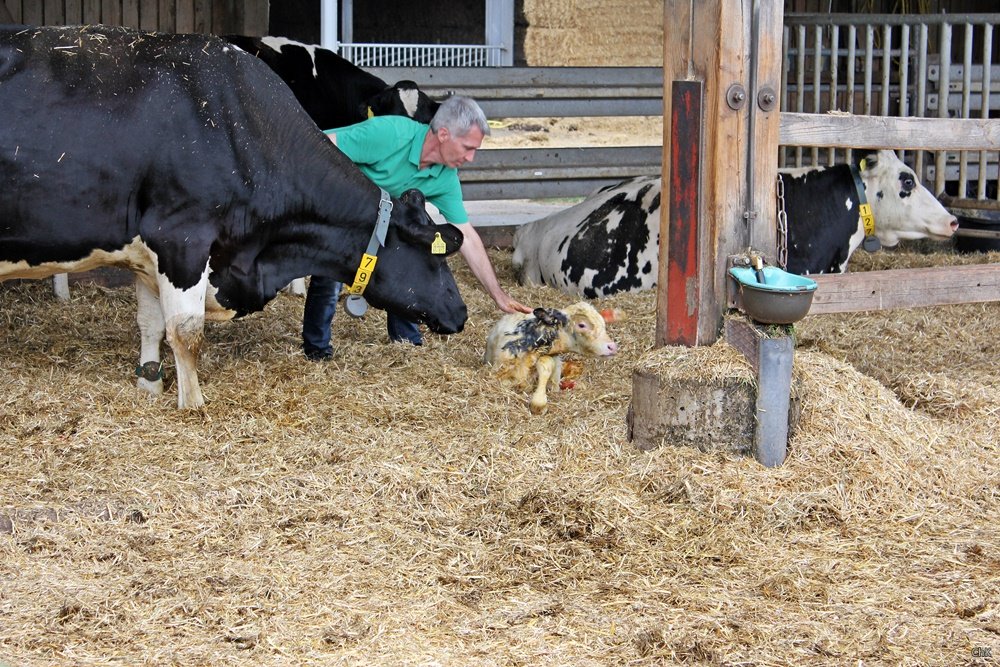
(608, 243)
(528, 350)
(189, 162)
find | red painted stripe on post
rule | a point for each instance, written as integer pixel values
(682, 250)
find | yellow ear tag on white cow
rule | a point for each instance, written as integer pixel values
(437, 245)
(863, 164)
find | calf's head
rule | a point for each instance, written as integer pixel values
(412, 278)
(585, 332)
(902, 207)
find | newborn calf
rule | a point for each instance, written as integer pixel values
(524, 348)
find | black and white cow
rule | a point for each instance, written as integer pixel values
(334, 91)
(187, 161)
(608, 243)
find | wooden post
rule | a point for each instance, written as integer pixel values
(716, 43)
(683, 207)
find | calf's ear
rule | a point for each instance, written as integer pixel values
(550, 317)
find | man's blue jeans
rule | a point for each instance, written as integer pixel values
(317, 316)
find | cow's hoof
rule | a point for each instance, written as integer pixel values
(154, 388)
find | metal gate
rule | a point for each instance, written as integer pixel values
(898, 65)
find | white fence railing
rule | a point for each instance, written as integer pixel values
(422, 55)
(898, 65)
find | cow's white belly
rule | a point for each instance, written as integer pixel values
(135, 257)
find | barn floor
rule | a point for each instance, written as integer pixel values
(397, 507)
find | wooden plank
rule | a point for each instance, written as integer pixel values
(91, 12)
(167, 16)
(849, 131)
(203, 16)
(31, 13)
(185, 16)
(130, 13)
(255, 18)
(906, 288)
(765, 127)
(149, 15)
(528, 92)
(226, 18)
(10, 11)
(680, 324)
(74, 12)
(111, 12)
(53, 12)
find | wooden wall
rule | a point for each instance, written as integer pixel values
(244, 17)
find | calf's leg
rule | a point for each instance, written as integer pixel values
(546, 366)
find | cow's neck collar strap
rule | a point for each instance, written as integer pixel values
(356, 304)
(871, 242)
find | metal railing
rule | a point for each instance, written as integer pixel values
(897, 65)
(422, 55)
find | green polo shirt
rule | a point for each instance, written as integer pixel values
(387, 149)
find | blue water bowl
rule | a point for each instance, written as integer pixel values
(783, 298)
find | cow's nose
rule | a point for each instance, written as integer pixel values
(612, 348)
(954, 224)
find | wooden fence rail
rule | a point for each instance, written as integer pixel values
(548, 92)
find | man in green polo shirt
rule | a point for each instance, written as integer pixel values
(398, 153)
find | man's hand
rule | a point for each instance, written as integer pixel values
(475, 254)
(508, 305)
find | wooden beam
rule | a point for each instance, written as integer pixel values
(906, 288)
(712, 42)
(850, 131)
(680, 327)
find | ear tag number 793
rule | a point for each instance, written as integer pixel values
(363, 275)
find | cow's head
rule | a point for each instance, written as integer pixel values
(903, 208)
(403, 98)
(412, 278)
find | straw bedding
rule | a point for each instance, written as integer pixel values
(400, 506)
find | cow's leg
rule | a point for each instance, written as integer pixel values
(184, 320)
(297, 287)
(151, 332)
(546, 367)
(60, 286)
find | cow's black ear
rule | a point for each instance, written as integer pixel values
(414, 197)
(431, 236)
(868, 155)
(416, 227)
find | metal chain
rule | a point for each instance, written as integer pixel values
(782, 226)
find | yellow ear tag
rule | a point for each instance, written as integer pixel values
(863, 164)
(437, 245)
(371, 114)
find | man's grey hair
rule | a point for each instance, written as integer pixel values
(460, 114)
